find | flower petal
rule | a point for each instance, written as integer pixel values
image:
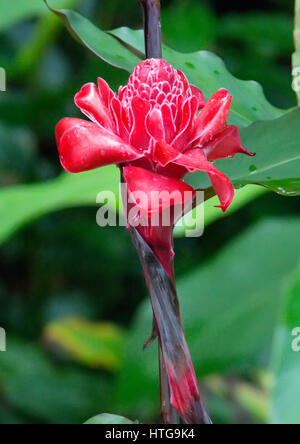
(184, 80)
(226, 144)
(64, 125)
(199, 96)
(212, 119)
(183, 137)
(85, 145)
(168, 122)
(105, 91)
(139, 137)
(164, 153)
(152, 193)
(177, 103)
(195, 160)
(120, 118)
(155, 125)
(92, 104)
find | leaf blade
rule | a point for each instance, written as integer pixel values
(99, 42)
(107, 418)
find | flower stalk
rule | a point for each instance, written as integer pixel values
(178, 379)
(153, 49)
(178, 383)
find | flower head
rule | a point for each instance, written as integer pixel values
(157, 128)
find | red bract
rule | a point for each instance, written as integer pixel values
(158, 123)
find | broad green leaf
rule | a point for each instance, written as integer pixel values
(23, 204)
(208, 72)
(277, 162)
(107, 418)
(286, 395)
(24, 9)
(35, 387)
(230, 308)
(99, 42)
(96, 345)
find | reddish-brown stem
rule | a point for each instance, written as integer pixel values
(178, 380)
(152, 27)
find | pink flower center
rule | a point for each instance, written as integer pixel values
(155, 81)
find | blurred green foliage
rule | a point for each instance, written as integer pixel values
(62, 266)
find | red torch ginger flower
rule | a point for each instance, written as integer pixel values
(157, 128)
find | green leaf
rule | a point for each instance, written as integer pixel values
(286, 395)
(230, 308)
(99, 42)
(23, 204)
(96, 345)
(107, 418)
(277, 162)
(25, 9)
(211, 214)
(208, 72)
